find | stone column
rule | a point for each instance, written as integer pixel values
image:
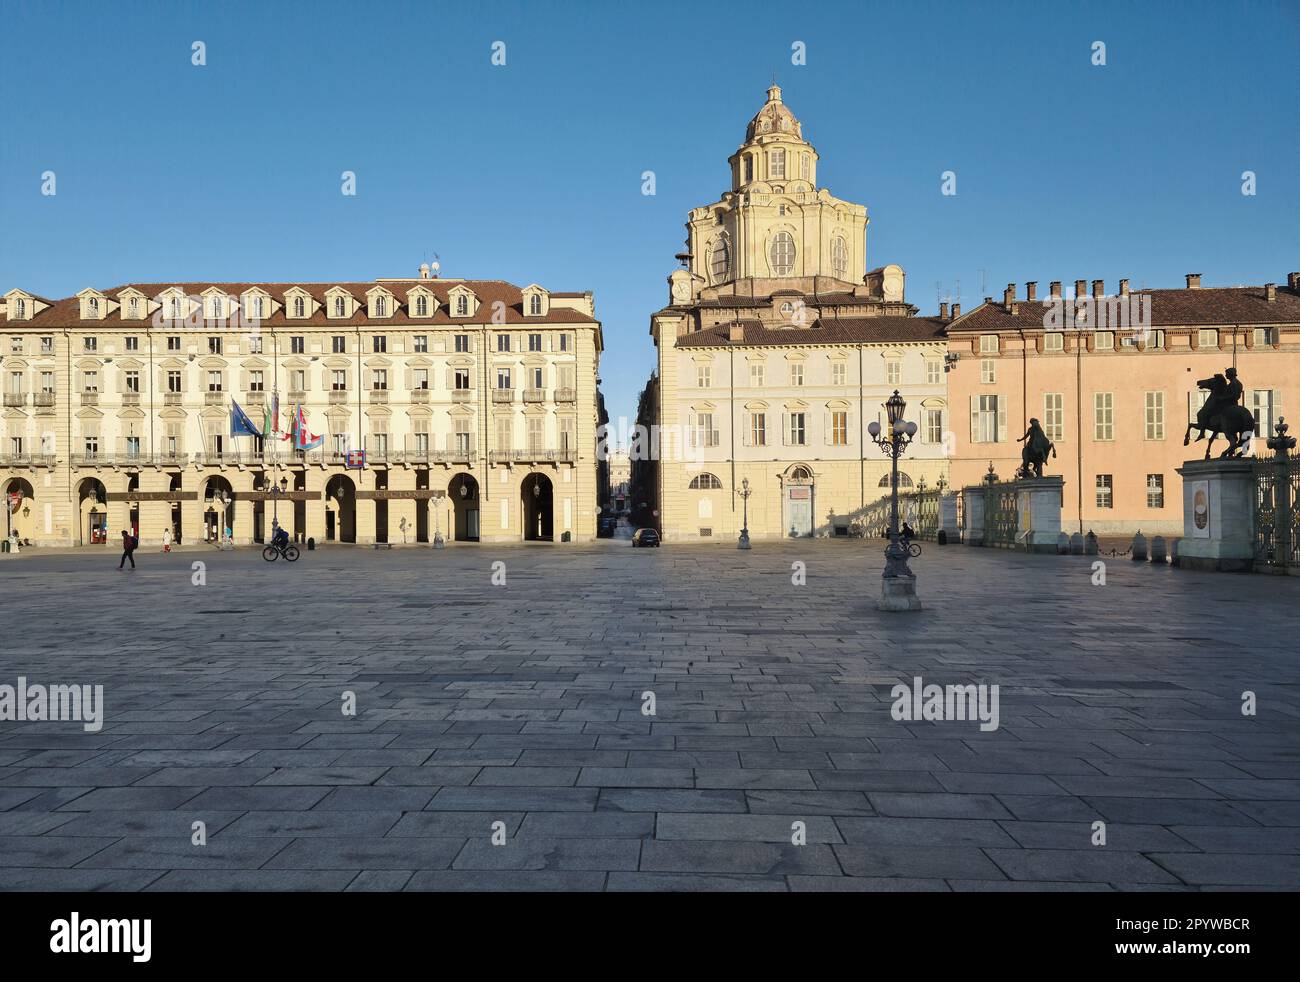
(401, 479)
(973, 515)
(155, 515)
(315, 529)
(948, 516)
(242, 527)
(1038, 508)
(1218, 515)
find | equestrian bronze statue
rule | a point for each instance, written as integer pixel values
(1223, 414)
(1034, 453)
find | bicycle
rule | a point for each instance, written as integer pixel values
(273, 552)
(913, 549)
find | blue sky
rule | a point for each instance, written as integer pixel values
(532, 171)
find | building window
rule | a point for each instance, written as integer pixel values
(1103, 341)
(803, 166)
(720, 263)
(47, 346)
(1105, 491)
(796, 373)
(379, 344)
(340, 309)
(462, 342)
(255, 344)
(933, 431)
(782, 254)
(214, 382)
(1155, 490)
(462, 435)
(534, 342)
(258, 309)
(778, 164)
(381, 306)
(22, 309)
(538, 382)
(255, 382)
(1053, 341)
(421, 306)
(16, 346)
(503, 378)
(839, 258)
(798, 429)
(503, 342)
(756, 374)
(176, 308)
(214, 345)
(987, 417)
(89, 344)
(420, 378)
(379, 379)
(94, 307)
(420, 343)
(133, 382)
(838, 372)
(703, 434)
(1207, 337)
(47, 383)
(339, 344)
(703, 376)
(1155, 415)
(1265, 337)
(564, 342)
(132, 343)
(216, 308)
(988, 344)
(839, 428)
(758, 429)
(988, 371)
(535, 305)
(298, 345)
(461, 380)
(339, 380)
(1155, 339)
(1054, 416)
(173, 381)
(1103, 416)
(462, 306)
(173, 343)
(705, 482)
(1263, 403)
(894, 371)
(299, 307)
(933, 371)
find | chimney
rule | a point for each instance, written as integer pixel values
(737, 333)
(1293, 281)
(1123, 288)
(1031, 290)
(424, 271)
(943, 311)
(1270, 292)
(956, 311)
(1080, 289)
(1008, 295)
(1193, 281)
(1056, 289)
(1098, 289)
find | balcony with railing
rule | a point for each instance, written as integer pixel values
(534, 395)
(130, 398)
(43, 400)
(379, 396)
(462, 395)
(17, 460)
(338, 397)
(297, 395)
(503, 395)
(15, 400)
(90, 398)
(214, 398)
(173, 398)
(566, 395)
(256, 397)
(534, 455)
(210, 458)
(419, 395)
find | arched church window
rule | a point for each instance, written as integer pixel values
(782, 254)
(705, 482)
(839, 257)
(721, 260)
(803, 166)
(904, 481)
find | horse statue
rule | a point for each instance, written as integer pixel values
(1034, 453)
(1221, 414)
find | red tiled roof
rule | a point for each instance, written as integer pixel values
(67, 311)
(846, 330)
(1169, 308)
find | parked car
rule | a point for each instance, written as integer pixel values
(645, 537)
(605, 528)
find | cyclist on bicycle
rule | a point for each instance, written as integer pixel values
(907, 534)
(279, 537)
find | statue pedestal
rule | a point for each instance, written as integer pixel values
(1038, 507)
(898, 593)
(973, 516)
(1218, 515)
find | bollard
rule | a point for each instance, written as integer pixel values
(311, 545)
(1139, 547)
(1062, 545)
(1076, 544)
(943, 537)
(1158, 549)
(1090, 543)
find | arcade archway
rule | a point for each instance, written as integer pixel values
(537, 498)
(463, 492)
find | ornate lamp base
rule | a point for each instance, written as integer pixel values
(743, 541)
(437, 541)
(898, 593)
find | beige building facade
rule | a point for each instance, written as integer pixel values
(474, 403)
(776, 351)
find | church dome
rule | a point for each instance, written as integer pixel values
(774, 118)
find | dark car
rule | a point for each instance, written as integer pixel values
(645, 537)
(605, 529)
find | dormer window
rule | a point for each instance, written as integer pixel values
(462, 306)
(421, 306)
(216, 308)
(22, 309)
(299, 308)
(257, 308)
(338, 307)
(176, 308)
(134, 307)
(535, 305)
(94, 307)
(381, 307)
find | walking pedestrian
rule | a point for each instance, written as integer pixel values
(129, 542)
(167, 539)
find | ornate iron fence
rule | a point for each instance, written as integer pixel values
(1277, 507)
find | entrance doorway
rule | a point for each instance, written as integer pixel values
(463, 491)
(537, 500)
(341, 509)
(799, 501)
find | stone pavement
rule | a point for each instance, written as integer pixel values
(522, 704)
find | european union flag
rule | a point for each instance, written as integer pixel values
(240, 424)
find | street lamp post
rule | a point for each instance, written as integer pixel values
(744, 531)
(898, 582)
(438, 499)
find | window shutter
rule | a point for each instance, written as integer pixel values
(451, 378)
(746, 430)
(243, 380)
(409, 379)
(785, 429)
(451, 442)
(1002, 420)
(828, 433)
(974, 419)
